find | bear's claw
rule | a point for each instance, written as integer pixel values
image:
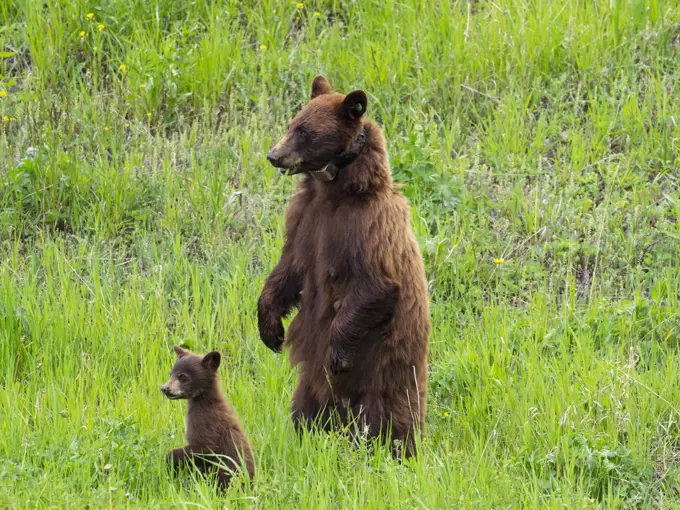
(273, 339)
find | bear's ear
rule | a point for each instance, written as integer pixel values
(212, 361)
(320, 86)
(354, 104)
(179, 351)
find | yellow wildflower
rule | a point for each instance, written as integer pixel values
(499, 261)
(101, 27)
(127, 124)
(317, 14)
(148, 114)
(12, 118)
(106, 128)
(263, 47)
(446, 415)
(5, 118)
(299, 5)
(3, 93)
(82, 34)
(122, 67)
(90, 15)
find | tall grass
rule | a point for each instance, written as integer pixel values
(538, 144)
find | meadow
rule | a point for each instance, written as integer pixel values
(539, 146)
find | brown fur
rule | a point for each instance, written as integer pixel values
(213, 431)
(352, 266)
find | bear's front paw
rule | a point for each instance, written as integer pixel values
(272, 335)
(340, 361)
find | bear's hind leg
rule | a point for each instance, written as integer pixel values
(307, 411)
(372, 417)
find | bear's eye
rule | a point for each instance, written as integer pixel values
(182, 378)
(305, 133)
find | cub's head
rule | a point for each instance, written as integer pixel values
(324, 129)
(191, 375)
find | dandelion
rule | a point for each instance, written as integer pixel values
(499, 261)
(299, 5)
(90, 15)
(317, 14)
(122, 67)
(82, 34)
(263, 47)
(3, 94)
(101, 27)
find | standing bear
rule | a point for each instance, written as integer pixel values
(352, 267)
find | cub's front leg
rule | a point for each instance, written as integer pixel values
(204, 460)
(180, 457)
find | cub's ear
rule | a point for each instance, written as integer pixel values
(179, 351)
(354, 104)
(320, 86)
(212, 360)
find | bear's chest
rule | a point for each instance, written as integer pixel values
(326, 247)
(339, 254)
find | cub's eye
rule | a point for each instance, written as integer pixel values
(182, 378)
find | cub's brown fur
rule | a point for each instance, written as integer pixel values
(213, 432)
(352, 267)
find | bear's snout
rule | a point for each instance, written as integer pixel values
(288, 162)
(167, 391)
(274, 157)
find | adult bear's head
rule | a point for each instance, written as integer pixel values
(326, 133)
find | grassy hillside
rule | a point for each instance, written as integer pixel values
(539, 145)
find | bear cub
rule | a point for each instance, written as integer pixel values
(213, 431)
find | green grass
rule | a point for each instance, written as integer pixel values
(137, 210)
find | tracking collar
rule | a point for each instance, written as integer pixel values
(329, 171)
